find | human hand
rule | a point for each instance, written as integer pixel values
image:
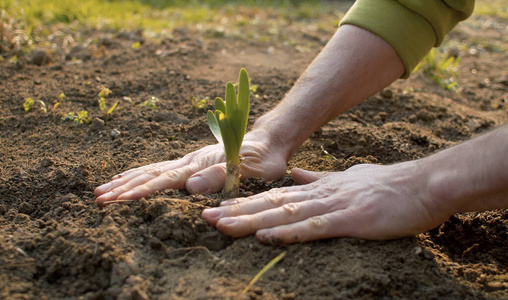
(365, 201)
(202, 171)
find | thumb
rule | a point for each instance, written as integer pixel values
(301, 176)
(207, 181)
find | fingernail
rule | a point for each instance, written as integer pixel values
(106, 186)
(212, 213)
(196, 185)
(106, 195)
(227, 221)
(228, 202)
(126, 195)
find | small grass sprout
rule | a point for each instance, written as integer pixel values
(198, 104)
(27, 105)
(442, 69)
(267, 267)
(29, 102)
(152, 102)
(135, 45)
(61, 97)
(228, 124)
(103, 95)
(79, 118)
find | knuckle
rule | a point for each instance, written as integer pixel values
(154, 171)
(290, 209)
(274, 199)
(317, 223)
(170, 174)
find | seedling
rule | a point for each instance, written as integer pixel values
(152, 102)
(103, 94)
(441, 69)
(29, 102)
(27, 105)
(228, 124)
(198, 104)
(61, 97)
(79, 118)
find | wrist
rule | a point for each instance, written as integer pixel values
(435, 195)
(278, 134)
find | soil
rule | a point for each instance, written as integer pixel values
(57, 244)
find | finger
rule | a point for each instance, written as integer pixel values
(334, 224)
(301, 176)
(286, 214)
(272, 194)
(146, 184)
(207, 181)
(123, 178)
(269, 201)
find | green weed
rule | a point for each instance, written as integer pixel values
(29, 103)
(103, 95)
(79, 118)
(441, 68)
(198, 104)
(152, 102)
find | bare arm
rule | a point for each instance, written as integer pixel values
(354, 65)
(472, 176)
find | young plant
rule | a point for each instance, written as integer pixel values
(29, 102)
(79, 118)
(103, 94)
(442, 69)
(228, 124)
(152, 102)
(61, 97)
(198, 103)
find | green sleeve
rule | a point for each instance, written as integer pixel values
(412, 27)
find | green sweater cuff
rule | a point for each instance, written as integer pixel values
(406, 31)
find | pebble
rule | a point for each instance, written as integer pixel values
(115, 133)
(387, 93)
(97, 124)
(39, 58)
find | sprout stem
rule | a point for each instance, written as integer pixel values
(232, 185)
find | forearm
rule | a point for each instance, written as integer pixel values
(472, 176)
(354, 65)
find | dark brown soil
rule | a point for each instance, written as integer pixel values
(57, 244)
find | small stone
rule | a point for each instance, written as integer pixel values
(426, 116)
(382, 116)
(97, 124)
(26, 208)
(46, 162)
(115, 133)
(418, 251)
(473, 125)
(39, 58)
(387, 93)
(288, 296)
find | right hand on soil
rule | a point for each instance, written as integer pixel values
(200, 172)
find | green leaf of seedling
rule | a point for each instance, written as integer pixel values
(228, 136)
(112, 108)
(231, 102)
(220, 105)
(214, 126)
(243, 105)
